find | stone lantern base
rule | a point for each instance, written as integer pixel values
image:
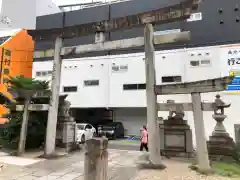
(220, 143)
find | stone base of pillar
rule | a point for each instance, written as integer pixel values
(144, 163)
(220, 143)
(65, 138)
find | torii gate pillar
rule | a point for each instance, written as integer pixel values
(153, 128)
(202, 151)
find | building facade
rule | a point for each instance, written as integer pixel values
(16, 51)
(118, 82)
(115, 80)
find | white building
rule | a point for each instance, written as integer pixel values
(117, 82)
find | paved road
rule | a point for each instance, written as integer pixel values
(124, 147)
(123, 144)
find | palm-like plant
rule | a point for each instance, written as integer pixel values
(26, 88)
(27, 84)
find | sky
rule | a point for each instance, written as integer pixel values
(4, 32)
(65, 2)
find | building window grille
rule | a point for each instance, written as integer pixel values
(169, 79)
(91, 83)
(141, 86)
(6, 71)
(134, 86)
(205, 62)
(44, 73)
(7, 52)
(49, 72)
(5, 80)
(38, 73)
(70, 89)
(194, 63)
(197, 63)
(122, 68)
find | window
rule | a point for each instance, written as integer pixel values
(205, 62)
(194, 63)
(124, 67)
(38, 73)
(134, 86)
(5, 80)
(169, 79)
(6, 71)
(7, 52)
(195, 17)
(49, 53)
(130, 86)
(69, 88)
(49, 72)
(115, 68)
(91, 83)
(119, 68)
(44, 73)
(7, 62)
(141, 86)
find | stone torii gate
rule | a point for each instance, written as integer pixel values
(195, 89)
(163, 15)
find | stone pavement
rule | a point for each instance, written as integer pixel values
(121, 166)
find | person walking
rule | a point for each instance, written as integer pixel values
(144, 139)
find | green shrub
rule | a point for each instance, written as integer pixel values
(9, 134)
(227, 169)
(236, 153)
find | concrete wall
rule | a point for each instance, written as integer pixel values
(132, 118)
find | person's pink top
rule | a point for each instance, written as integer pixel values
(144, 136)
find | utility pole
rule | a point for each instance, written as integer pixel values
(153, 127)
(54, 101)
